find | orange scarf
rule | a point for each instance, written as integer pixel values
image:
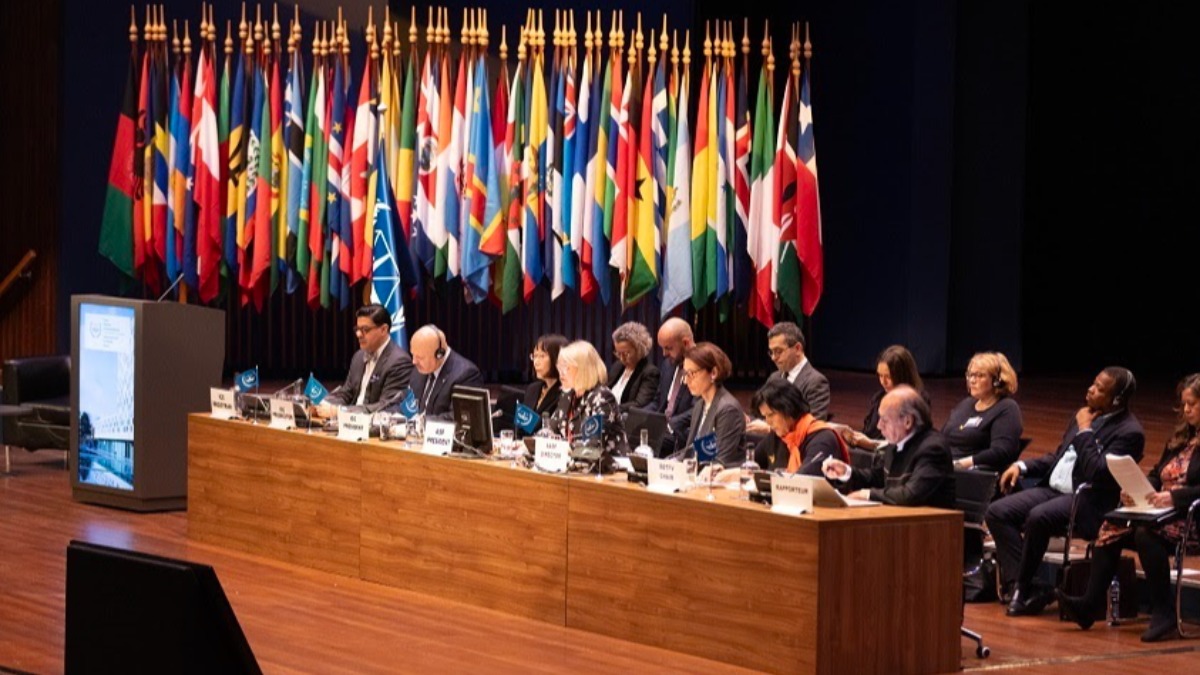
(795, 438)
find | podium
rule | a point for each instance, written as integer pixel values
(140, 367)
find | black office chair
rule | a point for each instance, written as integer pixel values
(42, 386)
(973, 490)
(1180, 553)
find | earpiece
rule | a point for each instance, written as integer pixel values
(1119, 399)
(440, 352)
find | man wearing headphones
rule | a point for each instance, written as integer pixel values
(438, 370)
(1102, 427)
(379, 370)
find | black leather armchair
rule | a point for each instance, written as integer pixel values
(43, 385)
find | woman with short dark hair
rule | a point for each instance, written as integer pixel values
(799, 442)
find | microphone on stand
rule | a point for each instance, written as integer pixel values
(170, 288)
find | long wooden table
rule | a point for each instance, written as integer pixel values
(869, 590)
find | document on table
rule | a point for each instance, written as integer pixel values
(1134, 483)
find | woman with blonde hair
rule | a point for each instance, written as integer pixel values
(585, 396)
(984, 429)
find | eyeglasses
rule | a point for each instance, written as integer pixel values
(777, 351)
(689, 374)
(538, 355)
(977, 376)
(360, 330)
(621, 354)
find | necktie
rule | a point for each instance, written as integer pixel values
(368, 371)
(428, 391)
(673, 395)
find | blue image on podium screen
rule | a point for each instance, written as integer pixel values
(106, 395)
(140, 369)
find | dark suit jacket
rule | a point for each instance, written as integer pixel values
(921, 475)
(388, 380)
(549, 402)
(681, 418)
(642, 387)
(1183, 496)
(727, 420)
(1120, 434)
(457, 369)
(814, 387)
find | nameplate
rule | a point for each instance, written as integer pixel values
(353, 426)
(224, 403)
(283, 415)
(666, 476)
(791, 495)
(439, 438)
(551, 455)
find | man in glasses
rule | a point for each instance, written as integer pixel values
(785, 343)
(379, 370)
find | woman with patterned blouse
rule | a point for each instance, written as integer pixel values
(584, 397)
(1176, 480)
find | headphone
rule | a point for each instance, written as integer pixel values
(1119, 399)
(440, 353)
(997, 383)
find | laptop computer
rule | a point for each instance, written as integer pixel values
(654, 423)
(824, 494)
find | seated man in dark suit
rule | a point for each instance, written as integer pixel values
(785, 343)
(674, 399)
(1103, 426)
(379, 370)
(914, 469)
(438, 370)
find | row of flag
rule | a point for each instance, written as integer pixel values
(610, 175)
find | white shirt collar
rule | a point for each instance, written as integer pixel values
(903, 441)
(374, 356)
(795, 372)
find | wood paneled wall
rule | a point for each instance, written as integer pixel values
(29, 116)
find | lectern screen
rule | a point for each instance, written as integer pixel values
(106, 377)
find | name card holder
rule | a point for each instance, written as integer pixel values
(666, 476)
(353, 426)
(791, 495)
(223, 402)
(551, 455)
(439, 438)
(283, 415)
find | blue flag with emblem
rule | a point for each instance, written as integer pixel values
(314, 390)
(246, 380)
(525, 418)
(408, 407)
(592, 427)
(706, 448)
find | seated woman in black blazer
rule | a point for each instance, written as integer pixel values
(894, 366)
(542, 394)
(984, 429)
(1176, 479)
(633, 379)
(800, 442)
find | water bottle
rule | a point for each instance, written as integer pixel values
(746, 473)
(643, 449)
(1114, 601)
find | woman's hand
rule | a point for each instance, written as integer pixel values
(1127, 500)
(1161, 499)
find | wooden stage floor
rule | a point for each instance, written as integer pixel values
(300, 620)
